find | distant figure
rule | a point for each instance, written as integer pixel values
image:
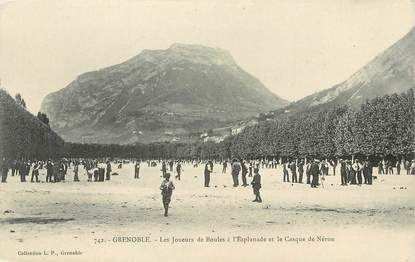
(163, 168)
(137, 170)
(314, 172)
(35, 173)
(250, 169)
(300, 171)
(178, 170)
(353, 173)
(109, 169)
(89, 172)
(380, 168)
(256, 186)
(398, 167)
(76, 172)
(367, 172)
(293, 168)
(236, 168)
(208, 171)
(101, 171)
(343, 172)
(225, 165)
(307, 172)
(244, 173)
(4, 170)
(24, 171)
(171, 165)
(286, 177)
(166, 188)
(334, 164)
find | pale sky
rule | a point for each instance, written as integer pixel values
(294, 47)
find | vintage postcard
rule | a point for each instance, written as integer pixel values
(196, 130)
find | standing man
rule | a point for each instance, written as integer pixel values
(137, 170)
(109, 169)
(49, 171)
(61, 171)
(256, 186)
(225, 165)
(208, 171)
(4, 170)
(24, 171)
(314, 172)
(293, 168)
(358, 169)
(343, 172)
(380, 168)
(412, 167)
(14, 167)
(367, 172)
(35, 172)
(166, 188)
(408, 167)
(334, 164)
(76, 171)
(55, 172)
(244, 172)
(353, 172)
(307, 172)
(178, 170)
(236, 168)
(286, 177)
(171, 165)
(300, 171)
(163, 168)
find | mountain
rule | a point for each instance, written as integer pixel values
(159, 95)
(392, 71)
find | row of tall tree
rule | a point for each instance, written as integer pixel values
(22, 135)
(381, 127)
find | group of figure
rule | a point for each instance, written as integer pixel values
(354, 172)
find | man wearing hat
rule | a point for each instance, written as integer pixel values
(166, 188)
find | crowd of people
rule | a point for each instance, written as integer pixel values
(352, 172)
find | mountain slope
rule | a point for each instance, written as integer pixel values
(24, 135)
(393, 71)
(159, 95)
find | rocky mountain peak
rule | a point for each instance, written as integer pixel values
(197, 54)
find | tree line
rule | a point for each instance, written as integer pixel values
(22, 135)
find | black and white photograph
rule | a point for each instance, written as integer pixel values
(196, 130)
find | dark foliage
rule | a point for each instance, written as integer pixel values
(23, 135)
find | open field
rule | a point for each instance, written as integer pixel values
(353, 223)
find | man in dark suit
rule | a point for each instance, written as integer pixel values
(208, 171)
(293, 168)
(256, 186)
(236, 168)
(4, 169)
(315, 172)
